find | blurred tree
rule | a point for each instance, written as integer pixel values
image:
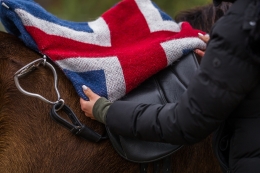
(88, 10)
(45, 3)
(85, 10)
(78, 10)
(172, 7)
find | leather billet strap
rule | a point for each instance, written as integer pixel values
(160, 166)
(76, 127)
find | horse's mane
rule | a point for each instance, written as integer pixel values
(203, 17)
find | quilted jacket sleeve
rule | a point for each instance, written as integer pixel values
(226, 75)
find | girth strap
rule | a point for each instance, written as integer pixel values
(156, 166)
(167, 165)
(76, 127)
(160, 166)
(143, 167)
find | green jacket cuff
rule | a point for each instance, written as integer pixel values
(100, 109)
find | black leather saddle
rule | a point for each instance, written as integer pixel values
(164, 87)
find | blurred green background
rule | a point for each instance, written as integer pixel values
(88, 10)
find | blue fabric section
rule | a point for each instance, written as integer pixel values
(163, 14)
(186, 51)
(94, 79)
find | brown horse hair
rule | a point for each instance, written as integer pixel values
(203, 17)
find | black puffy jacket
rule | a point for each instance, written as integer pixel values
(224, 95)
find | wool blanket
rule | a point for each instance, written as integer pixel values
(113, 54)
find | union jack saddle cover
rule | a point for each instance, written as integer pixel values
(113, 54)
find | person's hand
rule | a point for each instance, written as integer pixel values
(204, 38)
(87, 106)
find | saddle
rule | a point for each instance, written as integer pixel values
(164, 87)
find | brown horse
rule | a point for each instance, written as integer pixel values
(31, 141)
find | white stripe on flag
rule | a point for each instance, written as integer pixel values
(116, 87)
(174, 48)
(154, 18)
(100, 35)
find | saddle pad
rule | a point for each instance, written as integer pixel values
(164, 87)
(114, 53)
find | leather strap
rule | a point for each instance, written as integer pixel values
(156, 167)
(76, 127)
(163, 166)
(143, 167)
(167, 165)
